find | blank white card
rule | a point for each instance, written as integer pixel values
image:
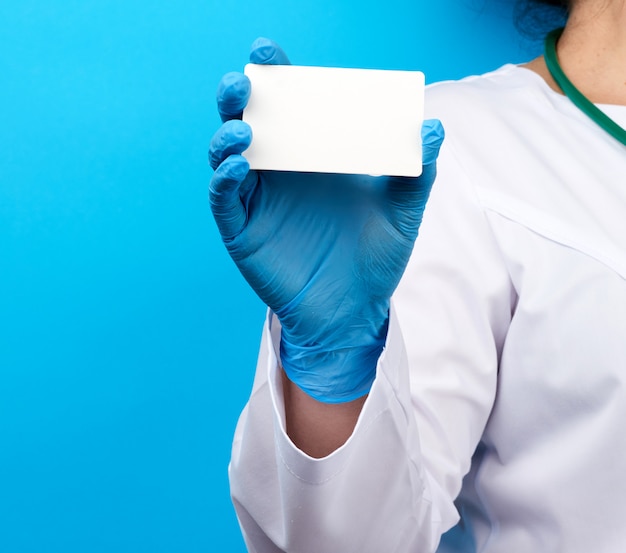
(335, 120)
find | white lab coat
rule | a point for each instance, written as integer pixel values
(500, 397)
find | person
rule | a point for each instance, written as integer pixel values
(468, 392)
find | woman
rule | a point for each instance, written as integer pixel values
(482, 409)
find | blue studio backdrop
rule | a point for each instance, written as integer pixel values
(127, 337)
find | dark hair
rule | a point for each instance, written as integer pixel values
(535, 18)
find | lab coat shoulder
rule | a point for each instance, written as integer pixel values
(518, 144)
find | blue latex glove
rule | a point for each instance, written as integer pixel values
(324, 251)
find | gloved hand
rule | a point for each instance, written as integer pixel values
(324, 251)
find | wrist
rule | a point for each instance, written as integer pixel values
(318, 428)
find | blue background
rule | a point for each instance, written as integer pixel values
(127, 338)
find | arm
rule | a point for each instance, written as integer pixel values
(391, 486)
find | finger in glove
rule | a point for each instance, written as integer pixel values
(266, 52)
(233, 93)
(233, 137)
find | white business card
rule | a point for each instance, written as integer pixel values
(335, 120)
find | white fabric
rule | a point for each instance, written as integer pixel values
(509, 324)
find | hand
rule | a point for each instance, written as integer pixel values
(324, 251)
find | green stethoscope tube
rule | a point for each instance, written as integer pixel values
(575, 95)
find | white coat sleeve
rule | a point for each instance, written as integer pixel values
(391, 487)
